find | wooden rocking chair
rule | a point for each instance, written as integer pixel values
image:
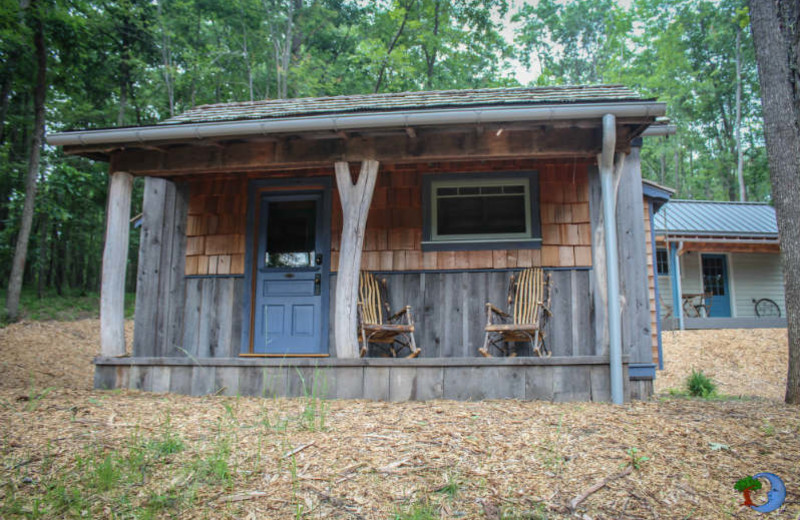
(395, 331)
(529, 300)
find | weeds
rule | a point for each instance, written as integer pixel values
(34, 397)
(700, 385)
(422, 510)
(315, 411)
(635, 460)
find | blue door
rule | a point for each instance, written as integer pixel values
(289, 279)
(715, 284)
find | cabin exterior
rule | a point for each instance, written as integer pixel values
(715, 262)
(258, 218)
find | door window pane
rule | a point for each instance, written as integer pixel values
(291, 233)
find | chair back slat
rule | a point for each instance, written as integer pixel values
(528, 296)
(371, 298)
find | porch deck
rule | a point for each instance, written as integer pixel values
(574, 378)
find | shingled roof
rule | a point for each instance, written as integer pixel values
(277, 108)
(723, 219)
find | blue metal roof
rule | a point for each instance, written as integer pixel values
(724, 219)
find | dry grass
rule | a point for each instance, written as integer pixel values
(76, 452)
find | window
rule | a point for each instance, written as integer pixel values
(662, 262)
(481, 211)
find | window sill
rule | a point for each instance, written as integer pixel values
(481, 245)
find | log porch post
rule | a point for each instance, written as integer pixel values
(115, 259)
(356, 199)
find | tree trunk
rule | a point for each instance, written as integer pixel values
(40, 90)
(775, 35)
(356, 199)
(739, 154)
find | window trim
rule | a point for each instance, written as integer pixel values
(531, 239)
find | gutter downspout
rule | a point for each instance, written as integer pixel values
(606, 164)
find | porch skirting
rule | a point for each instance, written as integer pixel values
(578, 378)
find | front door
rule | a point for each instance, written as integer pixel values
(715, 284)
(290, 282)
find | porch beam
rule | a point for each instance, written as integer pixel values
(356, 199)
(115, 259)
(295, 152)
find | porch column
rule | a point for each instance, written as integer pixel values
(609, 171)
(675, 278)
(115, 259)
(356, 199)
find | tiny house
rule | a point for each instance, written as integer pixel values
(719, 264)
(258, 218)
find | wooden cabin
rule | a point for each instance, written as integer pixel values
(719, 264)
(258, 218)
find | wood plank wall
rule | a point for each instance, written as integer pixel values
(449, 309)
(158, 319)
(217, 220)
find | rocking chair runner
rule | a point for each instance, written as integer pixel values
(376, 324)
(529, 300)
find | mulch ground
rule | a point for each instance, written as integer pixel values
(74, 452)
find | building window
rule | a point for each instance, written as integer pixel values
(662, 262)
(481, 211)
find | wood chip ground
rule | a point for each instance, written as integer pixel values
(69, 451)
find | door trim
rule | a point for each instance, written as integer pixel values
(296, 186)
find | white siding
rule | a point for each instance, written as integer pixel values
(691, 281)
(665, 294)
(756, 276)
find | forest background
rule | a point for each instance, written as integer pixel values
(136, 62)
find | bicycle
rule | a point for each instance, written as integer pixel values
(766, 308)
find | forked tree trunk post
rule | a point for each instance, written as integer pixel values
(115, 259)
(356, 199)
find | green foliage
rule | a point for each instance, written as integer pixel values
(635, 459)
(700, 385)
(135, 62)
(422, 510)
(747, 483)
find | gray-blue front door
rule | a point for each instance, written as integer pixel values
(290, 282)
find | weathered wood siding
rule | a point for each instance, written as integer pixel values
(212, 323)
(158, 320)
(449, 309)
(634, 293)
(217, 220)
(583, 378)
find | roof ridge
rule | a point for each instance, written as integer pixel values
(379, 95)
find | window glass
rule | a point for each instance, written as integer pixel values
(662, 262)
(291, 233)
(481, 209)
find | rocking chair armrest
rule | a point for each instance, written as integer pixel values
(546, 309)
(491, 308)
(404, 311)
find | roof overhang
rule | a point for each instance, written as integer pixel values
(354, 122)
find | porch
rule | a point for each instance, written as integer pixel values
(220, 310)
